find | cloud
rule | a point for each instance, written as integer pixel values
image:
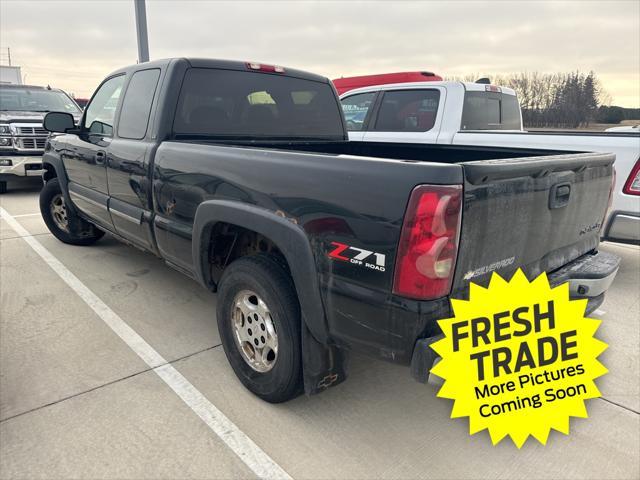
(74, 44)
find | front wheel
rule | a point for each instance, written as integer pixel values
(3, 187)
(259, 324)
(61, 221)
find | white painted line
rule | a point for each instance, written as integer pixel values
(599, 312)
(251, 454)
(26, 215)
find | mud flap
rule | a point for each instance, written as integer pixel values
(323, 366)
(81, 228)
(423, 358)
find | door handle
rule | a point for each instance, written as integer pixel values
(559, 195)
(99, 157)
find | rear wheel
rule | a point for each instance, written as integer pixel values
(3, 187)
(61, 221)
(259, 323)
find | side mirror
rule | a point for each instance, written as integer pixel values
(60, 122)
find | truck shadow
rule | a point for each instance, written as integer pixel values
(24, 186)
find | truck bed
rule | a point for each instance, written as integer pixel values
(398, 151)
(339, 195)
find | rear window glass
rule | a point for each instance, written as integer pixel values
(237, 104)
(408, 111)
(136, 106)
(355, 109)
(490, 111)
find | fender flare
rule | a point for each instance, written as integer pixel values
(61, 174)
(290, 239)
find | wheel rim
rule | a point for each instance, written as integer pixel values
(59, 212)
(254, 331)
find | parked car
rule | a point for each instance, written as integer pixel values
(481, 115)
(82, 102)
(240, 175)
(22, 137)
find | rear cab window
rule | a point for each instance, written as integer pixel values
(136, 106)
(407, 111)
(235, 104)
(488, 110)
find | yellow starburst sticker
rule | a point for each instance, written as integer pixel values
(519, 358)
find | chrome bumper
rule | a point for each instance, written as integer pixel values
(22, 166)
(591, 287)
(588, 276)
(623, 227)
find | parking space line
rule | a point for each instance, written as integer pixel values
(629, 409)
(26, 215)
(245, 448)
(30, 234)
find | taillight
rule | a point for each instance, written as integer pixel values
(265, 68)
(632, 186)
(429, 242)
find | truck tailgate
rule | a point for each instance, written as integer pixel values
(537, 213)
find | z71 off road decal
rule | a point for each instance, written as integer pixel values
(358, 256)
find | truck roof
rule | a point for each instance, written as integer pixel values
(469, 86)
(222, 64)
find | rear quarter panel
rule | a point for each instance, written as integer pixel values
(356, 201)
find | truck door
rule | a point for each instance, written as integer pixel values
(130, 201)
(407, 115)
(86, 156)
(357, 110)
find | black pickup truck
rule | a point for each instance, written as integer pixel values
(240, 175)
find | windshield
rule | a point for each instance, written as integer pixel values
(241, 104)
(32, 100)
(490, 111)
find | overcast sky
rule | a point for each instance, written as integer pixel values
(74, 44)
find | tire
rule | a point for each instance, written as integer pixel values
(3, 187)
(263, 276)
(75, 231)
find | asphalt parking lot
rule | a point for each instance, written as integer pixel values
(77, 402)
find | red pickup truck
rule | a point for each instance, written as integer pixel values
(345, 84)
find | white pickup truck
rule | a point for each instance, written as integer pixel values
(477, 114)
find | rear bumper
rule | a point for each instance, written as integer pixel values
(623, 227)
(588, 276)
(21, 166)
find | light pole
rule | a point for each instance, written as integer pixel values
(141, 30)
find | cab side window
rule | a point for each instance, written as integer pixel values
(355, 109)
(136, 106)
(408, 111)
(102, 109)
